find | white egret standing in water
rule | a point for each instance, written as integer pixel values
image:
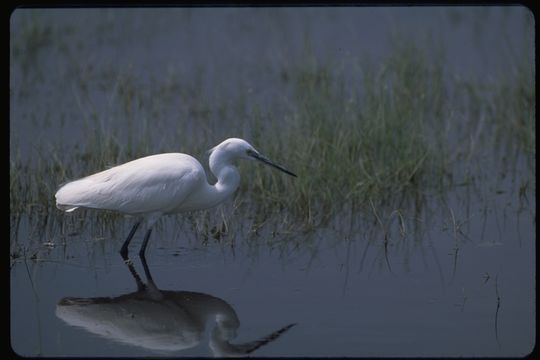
(161, 184)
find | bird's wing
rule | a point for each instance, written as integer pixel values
(152, 184)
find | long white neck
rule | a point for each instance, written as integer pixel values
(228, 178)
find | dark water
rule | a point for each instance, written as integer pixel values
(459, 283)
(432, 302)
(78, 61)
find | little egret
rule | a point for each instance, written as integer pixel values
(161, 184)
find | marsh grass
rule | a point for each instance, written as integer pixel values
(513, 113)
(369, 143)
(373, 141)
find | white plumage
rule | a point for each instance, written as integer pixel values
(161, 184)
(149, 184)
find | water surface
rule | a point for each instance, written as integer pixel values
(457, 280)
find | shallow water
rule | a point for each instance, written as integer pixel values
(75, 70)
(345, 299)
(457, 280)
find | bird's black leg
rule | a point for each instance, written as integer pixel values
(145, 267)
(140, 284)
(145, 242)
(124, 249)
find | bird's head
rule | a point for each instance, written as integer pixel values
(235, 148)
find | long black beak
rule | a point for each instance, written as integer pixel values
(268, 162)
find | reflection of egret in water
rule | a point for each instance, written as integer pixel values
(160, 320)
